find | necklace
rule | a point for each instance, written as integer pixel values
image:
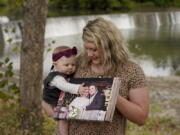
(97, 72)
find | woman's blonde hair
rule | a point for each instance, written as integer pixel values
(109, 41)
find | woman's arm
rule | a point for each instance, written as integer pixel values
(137, 107)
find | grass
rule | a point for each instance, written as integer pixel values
(157, 124)
(9, 122)
(49, 126)
(164, 117)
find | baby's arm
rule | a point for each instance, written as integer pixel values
(64, 85)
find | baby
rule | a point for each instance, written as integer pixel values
(56, 83)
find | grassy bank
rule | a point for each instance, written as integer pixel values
(164, 118)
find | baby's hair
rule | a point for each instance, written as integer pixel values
(60, 49)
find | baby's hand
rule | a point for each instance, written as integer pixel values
(83, 90)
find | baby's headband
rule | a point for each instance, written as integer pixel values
(66, 53)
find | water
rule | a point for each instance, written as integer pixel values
(153, 38)
(157, 50)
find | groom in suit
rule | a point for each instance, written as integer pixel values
(97, 99)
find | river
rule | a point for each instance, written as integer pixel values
(153, 39)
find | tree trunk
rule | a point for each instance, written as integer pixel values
(31, 66)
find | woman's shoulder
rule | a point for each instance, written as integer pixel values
(131, 67)
(135, 75)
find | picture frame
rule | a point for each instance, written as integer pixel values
(98, 105)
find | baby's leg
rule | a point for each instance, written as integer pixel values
(48, 109)
(63, 127)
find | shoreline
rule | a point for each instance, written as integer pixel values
(150, 79)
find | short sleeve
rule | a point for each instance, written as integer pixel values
(137, 77)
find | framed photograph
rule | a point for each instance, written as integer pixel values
(97, 105)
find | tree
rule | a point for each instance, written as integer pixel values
(31, 65)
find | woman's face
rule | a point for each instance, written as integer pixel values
(93, 53)
(85, 94)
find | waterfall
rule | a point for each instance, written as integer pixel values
(157, 19)
(172, 18)
(64, 26)
(4, 19)
(176, 17)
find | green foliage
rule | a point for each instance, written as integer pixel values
(48, 48)
(3, 95)
(8, 89)
(30, 119)
(9, 121)
(81, 7)
(84, 4)
(14, 30)
(3, 83)
(114, 4)
(49, 126)
(11, 8)
(9, 93)
(3, 3)
(127, 4)
(6, 30)
(147, 5)
(162, 3)
(176, 3)
(10, 40)
(16, 47)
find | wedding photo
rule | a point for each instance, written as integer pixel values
(96, 105)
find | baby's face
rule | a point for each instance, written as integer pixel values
(66, 65)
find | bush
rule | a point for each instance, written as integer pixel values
(176, 3)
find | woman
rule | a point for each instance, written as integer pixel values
(106, 55)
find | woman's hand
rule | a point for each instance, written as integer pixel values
(137, 107)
